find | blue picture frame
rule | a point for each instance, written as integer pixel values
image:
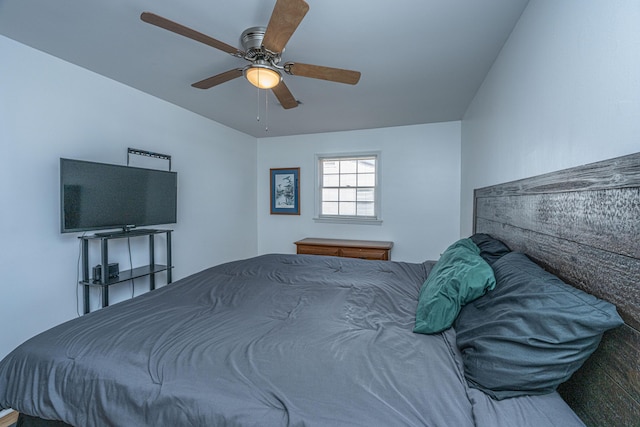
(285, 191)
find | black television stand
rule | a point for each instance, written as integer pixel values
(105, 281)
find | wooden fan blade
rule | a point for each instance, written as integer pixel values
(218, 79)
(325, 73)
(174, 27)
(285, 18)
(284, 95)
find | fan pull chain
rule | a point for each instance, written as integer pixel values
(266, 110)
(266, 106)
(258, 103)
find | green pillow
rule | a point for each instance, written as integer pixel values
(459, 277)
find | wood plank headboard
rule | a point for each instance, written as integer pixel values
(583, 225)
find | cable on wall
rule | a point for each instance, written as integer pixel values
(78, 274)
(133, 282)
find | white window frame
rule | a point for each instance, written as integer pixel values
(353, 219)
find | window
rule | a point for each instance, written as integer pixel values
(348, 187)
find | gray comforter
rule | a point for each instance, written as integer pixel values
(277, 340)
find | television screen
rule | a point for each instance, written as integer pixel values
(98, 196)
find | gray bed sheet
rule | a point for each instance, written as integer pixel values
(276, 340)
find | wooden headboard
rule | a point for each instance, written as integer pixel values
(583, 225)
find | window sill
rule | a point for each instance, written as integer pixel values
(348, 220)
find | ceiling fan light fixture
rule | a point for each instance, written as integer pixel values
(262, 76)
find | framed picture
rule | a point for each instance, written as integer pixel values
(285, 191)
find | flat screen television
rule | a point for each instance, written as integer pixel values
(96, 196)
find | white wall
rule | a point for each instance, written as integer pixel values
(51, 109)
(420, 188)
(564, 91)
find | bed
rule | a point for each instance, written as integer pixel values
(304, 340)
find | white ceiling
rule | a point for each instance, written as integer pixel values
(422, 61)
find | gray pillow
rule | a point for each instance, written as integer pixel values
(491, 249)
(531, 332)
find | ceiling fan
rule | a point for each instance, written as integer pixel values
(263, 48)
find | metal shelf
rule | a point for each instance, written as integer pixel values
(129, 275)
(104, 282)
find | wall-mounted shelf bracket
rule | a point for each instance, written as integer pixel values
(145, 153)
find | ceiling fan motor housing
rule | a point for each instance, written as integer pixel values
(251, 40)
